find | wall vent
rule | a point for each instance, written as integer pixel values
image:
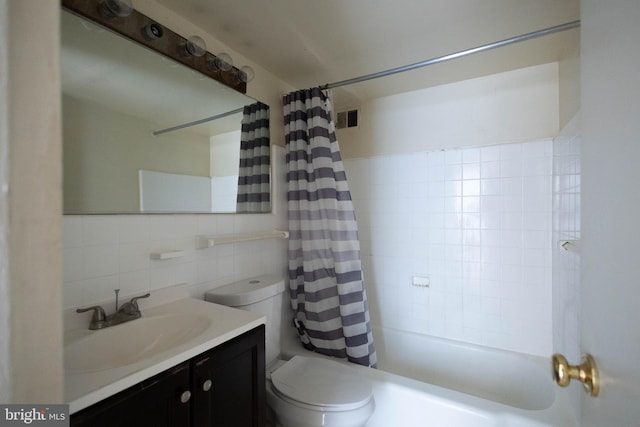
(347, 119)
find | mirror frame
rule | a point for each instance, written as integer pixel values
(170, 44)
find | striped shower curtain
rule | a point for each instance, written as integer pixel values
(326, 283)
(253, 175)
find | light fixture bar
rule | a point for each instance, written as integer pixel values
(197, 122)
(432, 61)
(139, 28)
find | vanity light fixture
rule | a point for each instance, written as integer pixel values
(115, 8)
(137, 27)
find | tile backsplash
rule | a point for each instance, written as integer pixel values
(477, 223)
(107, 252)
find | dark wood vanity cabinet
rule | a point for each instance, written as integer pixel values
(228, 383)
(154, 402)
(225, 387)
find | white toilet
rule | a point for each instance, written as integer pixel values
(303, 391)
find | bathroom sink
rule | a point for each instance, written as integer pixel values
(131, 342)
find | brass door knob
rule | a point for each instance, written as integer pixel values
(586, 372)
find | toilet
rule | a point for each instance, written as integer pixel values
(304, 391)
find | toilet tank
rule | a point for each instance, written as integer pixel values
(263, 295)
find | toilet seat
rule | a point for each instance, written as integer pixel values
(320, 383)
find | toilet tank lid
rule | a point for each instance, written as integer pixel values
(247, 291)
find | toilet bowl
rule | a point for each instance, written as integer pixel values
(303, 391)
(311, 392)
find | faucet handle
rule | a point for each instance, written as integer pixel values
(98, 313)
(134, 300)
(132, 306)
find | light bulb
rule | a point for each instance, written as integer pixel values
(246, 74)
(153, 31)
(113, 8)
(195, 46)
(221, 62)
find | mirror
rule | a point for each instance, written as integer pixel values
(116, 94)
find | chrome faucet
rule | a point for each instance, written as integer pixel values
(129, 311)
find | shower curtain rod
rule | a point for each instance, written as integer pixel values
(197, 122)
(460, 54)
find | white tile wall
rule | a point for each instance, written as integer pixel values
(107, 252)
(566, 226)
(477, 221)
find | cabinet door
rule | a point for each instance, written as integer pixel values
(154, 402)
(236, 396)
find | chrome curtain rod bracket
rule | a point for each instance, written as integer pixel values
(460, 54)
(197, 122)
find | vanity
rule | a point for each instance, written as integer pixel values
(183, 363)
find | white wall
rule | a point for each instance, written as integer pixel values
(569, 87)
(515, 106)
(31, 200)
(5, 324)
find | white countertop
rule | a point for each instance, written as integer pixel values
(84, 389)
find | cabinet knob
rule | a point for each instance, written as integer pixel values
(206, 386)
(185, 396)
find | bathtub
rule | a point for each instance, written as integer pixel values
(405, 402)
(447, 383)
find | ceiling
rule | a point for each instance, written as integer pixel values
(308, 43)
